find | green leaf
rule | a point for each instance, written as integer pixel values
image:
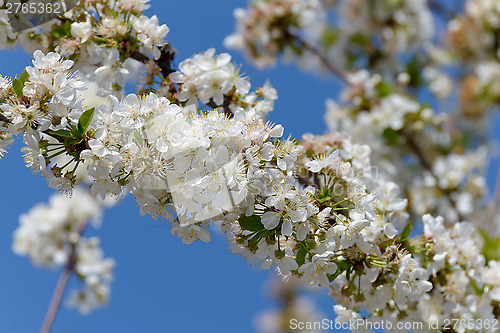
(252, 243)
(251, 223)
(17, 85)
(301, 256)
(406, 231)
(477, 290)
(414, 69)
(76, 133)
(359, 39)
(24, 77)
(341, 267)
(330, 36)
(491, 246)
(62, 31)
(383, 89)
(63, 133)
(84, 121)
(391, 136)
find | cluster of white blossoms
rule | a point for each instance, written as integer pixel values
(318, 215)
(448, 184)
(454, 285)
(363, 32)
(399, 26)
(293, 310)
(270, 27)
(104, 39)
(215, 81)
(460, 172)
(174, 161)
(51, 236)
(474, 32)
(329, 210)
(43, 105)
(472, 38)
(456, 264)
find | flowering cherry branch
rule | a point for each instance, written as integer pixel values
(314, 208)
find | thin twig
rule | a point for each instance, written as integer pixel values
(413, 145)
(332, 68)
(306, 181)
(225, 106)
(55, 302)
(167, 54)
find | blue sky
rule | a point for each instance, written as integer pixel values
(161, 285)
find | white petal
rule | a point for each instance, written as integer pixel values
(390, 231)
(277, 131)
(286, 228)
(302, 232)
(204, 235)
(270, 220)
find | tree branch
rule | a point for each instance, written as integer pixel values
(415, 148)
(225, 106)
(305, 181)
(324, 60)
(55, 302)
(164, 61)
(56, 299)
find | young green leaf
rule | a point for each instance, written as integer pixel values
(251, 223)
(406, 231)
(62, 31)
(24, 77)
(348, 274)
(17, 85)
(391, 136)
(341, 267)
(76, 133)
(491, 246)
(84, 121)
(63, 133)
(301, 256)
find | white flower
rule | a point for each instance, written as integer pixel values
(321, 163)
(351, 235)
(191, 232)
(315, 272)
(51, 62)
(81, 30)
(149, 33)
(32, 156)
(411, 281)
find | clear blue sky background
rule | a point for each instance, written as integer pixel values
(161, 285)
